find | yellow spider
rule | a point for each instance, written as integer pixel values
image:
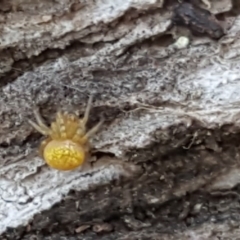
(67, 144)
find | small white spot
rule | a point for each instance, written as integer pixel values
(182, 42)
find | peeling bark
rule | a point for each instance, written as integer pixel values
(165, 162)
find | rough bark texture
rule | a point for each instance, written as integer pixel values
(168, 155)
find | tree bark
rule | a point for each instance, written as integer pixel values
(164, 76)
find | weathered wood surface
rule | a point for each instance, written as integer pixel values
(172, 120)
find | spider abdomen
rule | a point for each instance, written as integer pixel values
(64, 155)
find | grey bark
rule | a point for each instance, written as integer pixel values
(167, 157)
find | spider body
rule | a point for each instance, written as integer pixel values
(67, 144)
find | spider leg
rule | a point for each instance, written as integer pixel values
(87, 110)
(60, 125)
(55, 134)
(40, 121)
(38, 128)
(71, 125)
(92, 131)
